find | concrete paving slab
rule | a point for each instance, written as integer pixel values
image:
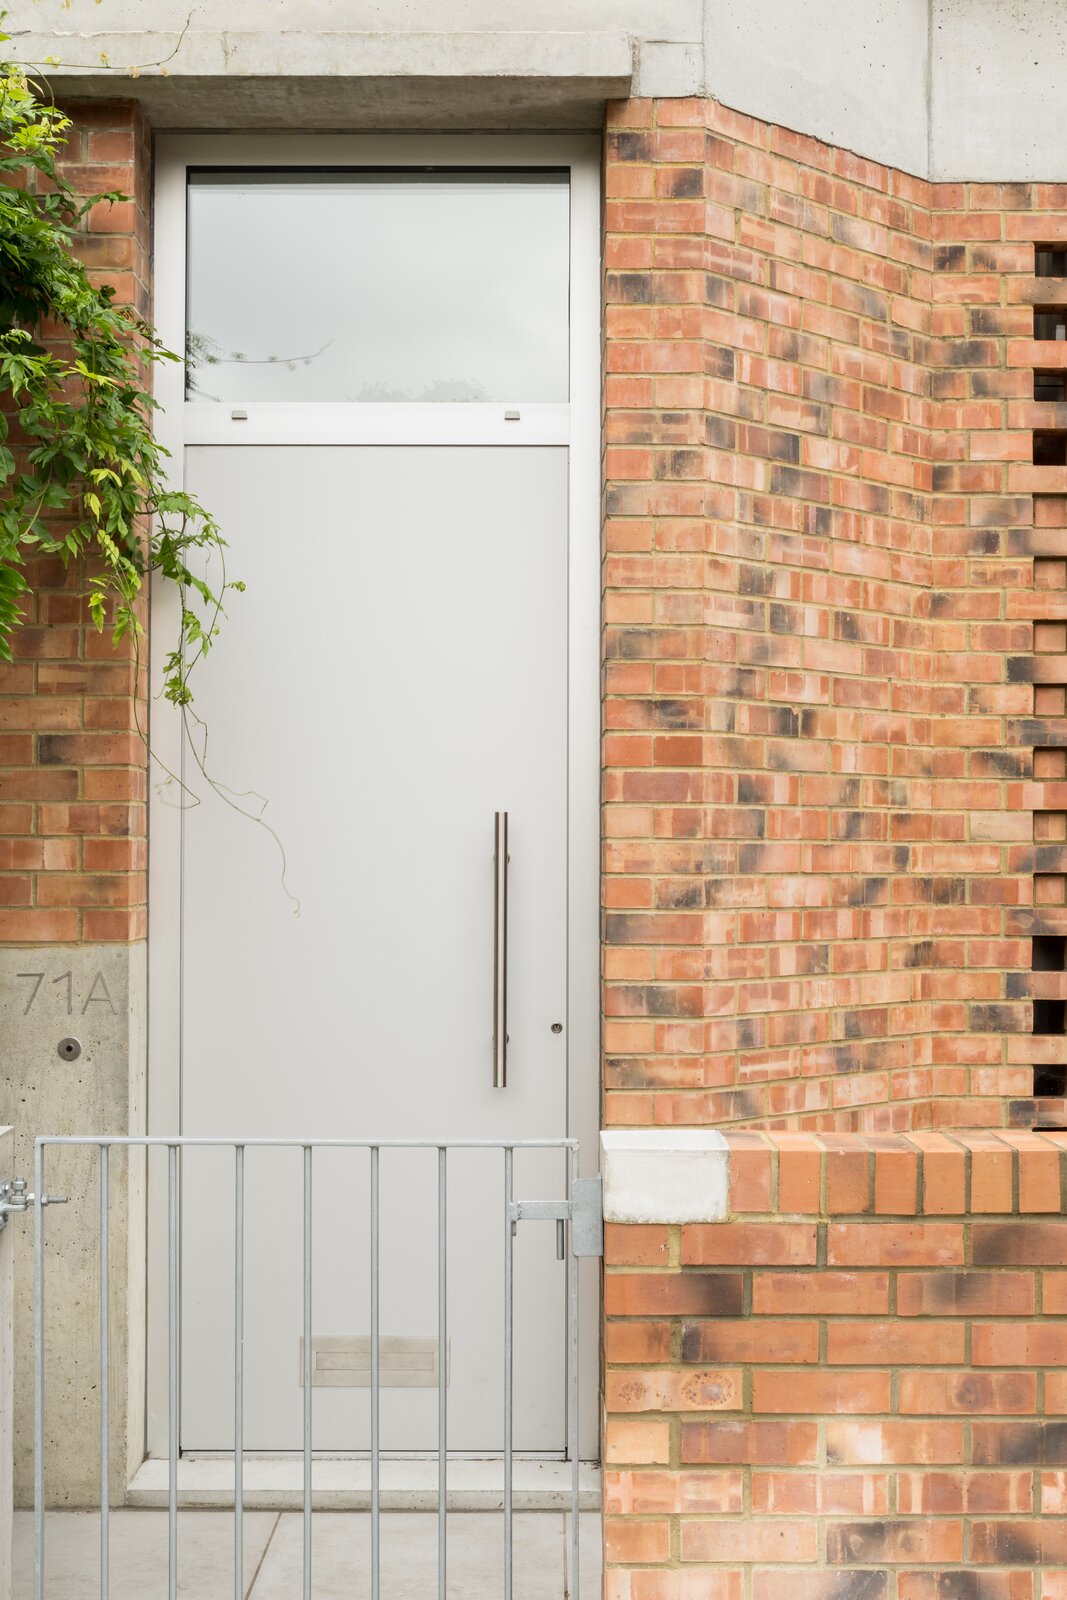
(341, 1557)
(590, 1554)
(138, 1554)
(273, 1555)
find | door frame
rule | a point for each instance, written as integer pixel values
(576, 424)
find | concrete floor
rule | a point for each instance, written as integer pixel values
(273, 1558)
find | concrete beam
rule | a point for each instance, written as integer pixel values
(344, 80)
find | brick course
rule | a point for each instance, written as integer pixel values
(854, 1387)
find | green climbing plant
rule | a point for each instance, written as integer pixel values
(81, 476)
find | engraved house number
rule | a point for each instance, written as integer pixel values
(62, 988)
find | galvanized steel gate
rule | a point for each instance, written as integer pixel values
(577, 1214)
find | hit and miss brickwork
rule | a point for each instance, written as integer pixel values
(820, 610)
(72, 763)
(853, 1389)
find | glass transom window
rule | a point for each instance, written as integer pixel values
(377, 286)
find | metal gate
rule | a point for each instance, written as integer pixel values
(576, 1214)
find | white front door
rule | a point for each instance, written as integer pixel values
(420, 690)
(394, 677)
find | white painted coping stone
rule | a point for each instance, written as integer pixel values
(665, 1175)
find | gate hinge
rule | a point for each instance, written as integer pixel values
(584, 1211)
(14, 1200)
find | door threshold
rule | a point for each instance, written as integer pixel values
(342, 1483)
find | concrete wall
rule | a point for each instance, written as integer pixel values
(997, 80)
(854, 75)
(102, 1091)
(942, 88)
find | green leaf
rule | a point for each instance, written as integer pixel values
(92, 485)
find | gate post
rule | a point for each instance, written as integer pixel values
(7, 1372)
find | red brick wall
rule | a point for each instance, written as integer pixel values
(818, 624)
(855, 1388)
(72, 765)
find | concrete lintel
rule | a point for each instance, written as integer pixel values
(344, 80)
(665, 1174)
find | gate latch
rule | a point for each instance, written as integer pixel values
(584, 1211)
(14, 1199)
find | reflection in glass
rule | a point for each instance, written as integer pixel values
(377, 286)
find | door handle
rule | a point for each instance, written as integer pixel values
(500, 950)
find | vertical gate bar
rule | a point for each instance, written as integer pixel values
(442, 1373)
(509, 1266)
(38, 1374)
(307, 1372)
(172, 1371)
(239, 1372)
(572, 1378)
(105, 1360)
(375, 1461)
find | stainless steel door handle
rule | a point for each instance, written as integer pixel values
(500, 950)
